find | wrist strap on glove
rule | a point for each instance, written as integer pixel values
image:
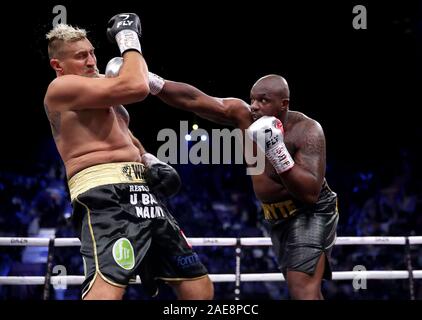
(156, 83)
(280, 158)
(128, 40)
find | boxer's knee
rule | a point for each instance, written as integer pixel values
(198, 289)
(303, 286)
(305, 291)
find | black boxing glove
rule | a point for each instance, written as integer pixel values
(125, 30)
(161, 177)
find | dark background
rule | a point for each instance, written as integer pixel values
(361, 85)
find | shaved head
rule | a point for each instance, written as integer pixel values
(273, 84)
(270, 96)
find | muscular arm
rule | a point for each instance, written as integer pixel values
(227, 111)
(73, 92)
(304, 180)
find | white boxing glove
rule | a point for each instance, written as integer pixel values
(113, 67)
(156, 83)
(268, 133)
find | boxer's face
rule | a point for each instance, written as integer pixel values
(267, 99)
(266, 102)
(78, 58)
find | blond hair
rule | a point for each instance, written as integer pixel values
(62, 33)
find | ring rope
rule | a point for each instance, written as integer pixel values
(252, 241)
(244, 277)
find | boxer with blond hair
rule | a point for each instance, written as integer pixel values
(115, 186)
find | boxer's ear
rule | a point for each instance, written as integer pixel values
(56, 65)
(285, 104)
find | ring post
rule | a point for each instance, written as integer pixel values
(410, 269)
(50, 256)
(237, 275)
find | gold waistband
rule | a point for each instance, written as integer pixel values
(279, 210)
(103, 174)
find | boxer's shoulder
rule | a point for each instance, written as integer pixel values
(300, 121)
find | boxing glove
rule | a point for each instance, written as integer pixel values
(113, 67)
(161, 177)
(125, 30)
(156, 83)
(268, 133)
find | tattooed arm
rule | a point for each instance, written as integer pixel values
(304, 180)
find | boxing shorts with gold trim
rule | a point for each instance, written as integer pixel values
(302, 233)
(126, 231)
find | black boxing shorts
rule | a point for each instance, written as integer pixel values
(125, 231)
(300, 233)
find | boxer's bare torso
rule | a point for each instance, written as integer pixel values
(268, 186)
(91, 136)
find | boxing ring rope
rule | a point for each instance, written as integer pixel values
(263, 241)
(238, 277)
(245, 277)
